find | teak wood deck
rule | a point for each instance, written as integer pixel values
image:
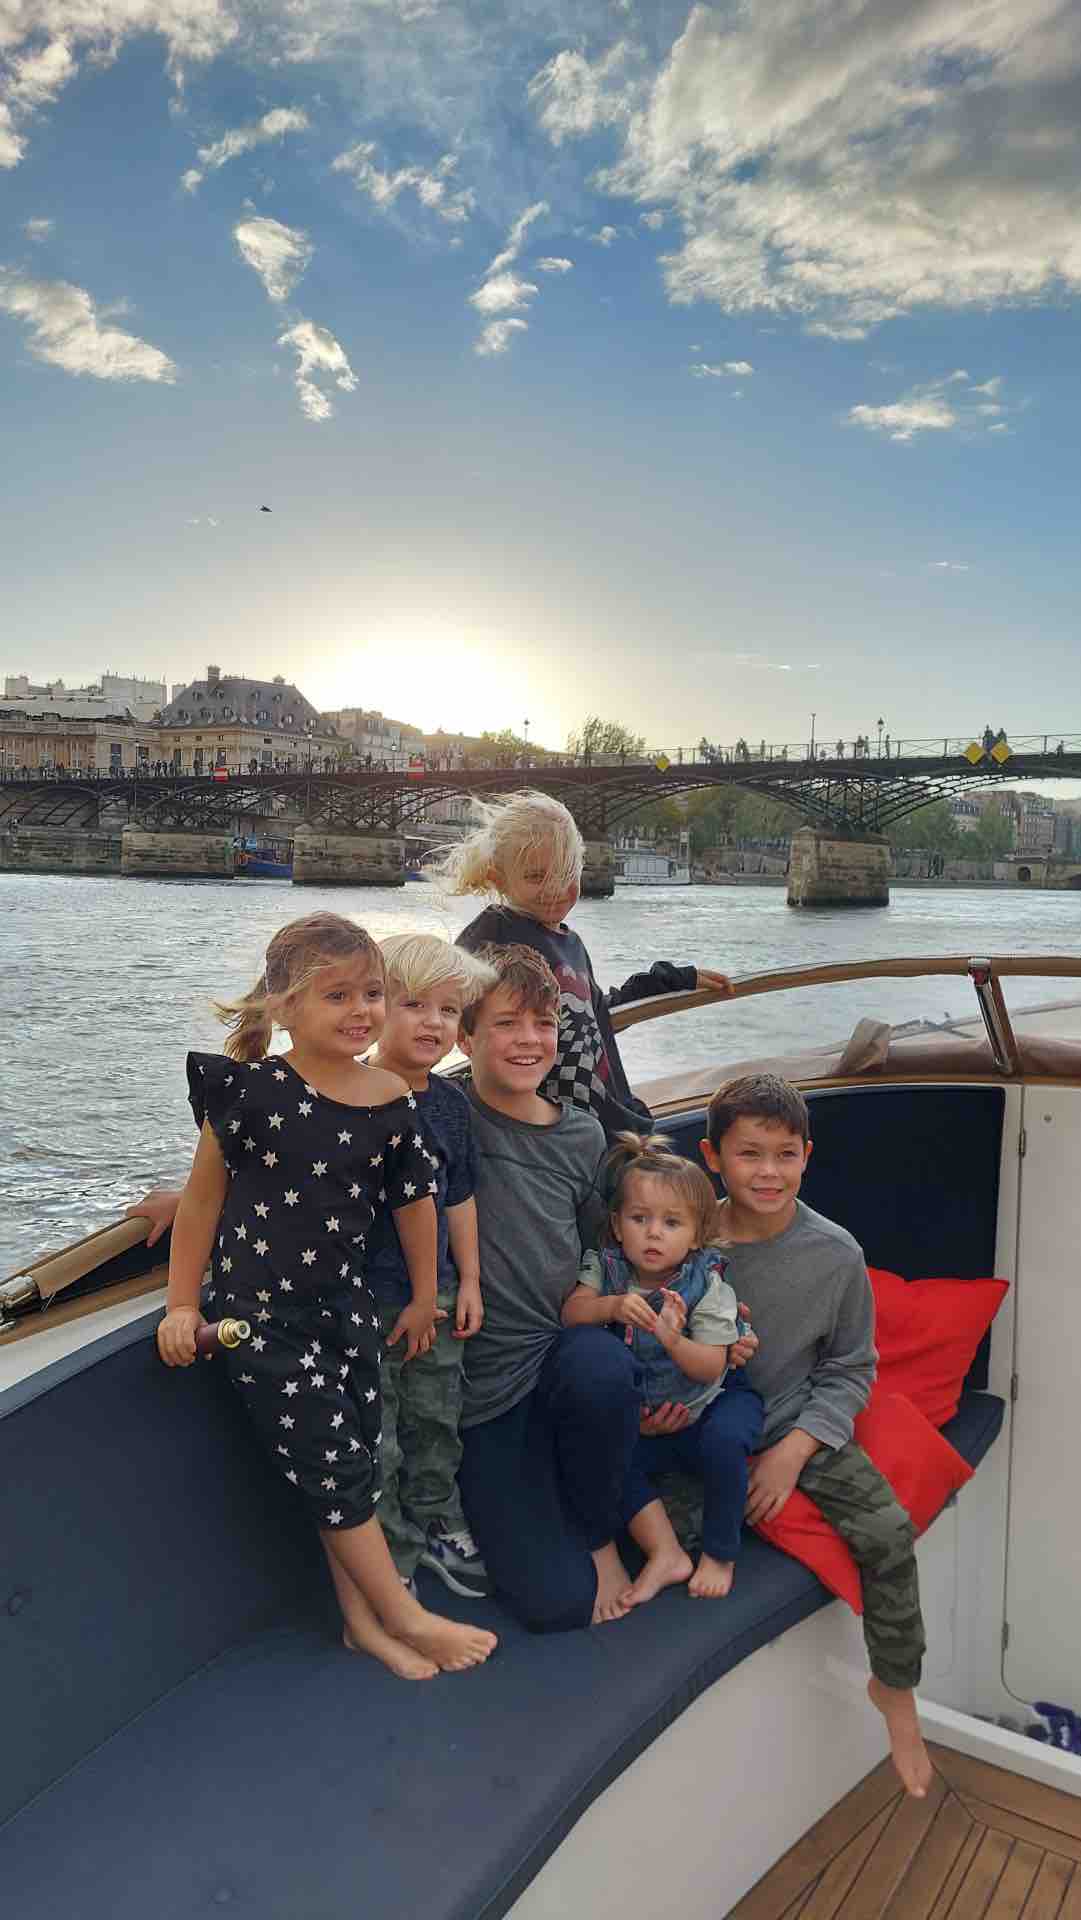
(984, 1845)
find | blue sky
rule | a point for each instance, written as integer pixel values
(703, 367)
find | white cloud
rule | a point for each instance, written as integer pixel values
(990, 387)
(273, 126)
(41, 42)
(66, 331)
(721, 370)
(280, 255)
(948, 566)
(654, 220)
(431, 185)
(498, 335)
(503, 292)
(553, 263)
(938, 406)
(850, 160)
(38, 230)
(605, 236)
(824, 331)
(516, 236)
(319, 357)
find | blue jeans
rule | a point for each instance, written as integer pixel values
(714, 1449)
(542, 1484)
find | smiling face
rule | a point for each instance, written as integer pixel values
(420, 1028)
(761, 1163)
(512, 1046)
(540, 885)
(655, 1226)
(341, 1010)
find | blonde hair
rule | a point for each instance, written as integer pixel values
(420, 962)
(298, 951)
(509, 832)
(654, 1154)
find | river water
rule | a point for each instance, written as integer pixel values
(105, 984)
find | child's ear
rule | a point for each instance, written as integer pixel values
(710, 1155)
(807, 1152)
(465, 1041)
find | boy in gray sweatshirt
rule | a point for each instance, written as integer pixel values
(810, 1300)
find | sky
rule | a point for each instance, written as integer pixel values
(702, 367)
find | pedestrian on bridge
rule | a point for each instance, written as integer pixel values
(529, 853)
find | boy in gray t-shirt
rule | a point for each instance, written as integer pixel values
(810, 1301)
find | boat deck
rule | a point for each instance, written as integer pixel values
(984, 1845)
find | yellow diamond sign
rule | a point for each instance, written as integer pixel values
(974, 753)
(1000, 752)
(662, 763)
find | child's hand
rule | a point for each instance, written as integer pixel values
(772, 1479)
(672, 1417)
(673, 1314)
(745, 1348)
(416, 1324)
(633, 1311)
(708, 978)
(176, 1336)
(159, 1207)
(469, 1318)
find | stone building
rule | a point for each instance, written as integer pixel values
(390, 743)
(63, 733)
(230, 721)
(143, 698)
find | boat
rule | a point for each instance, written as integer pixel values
(639, 864)
(182, 1731)
(271, 862)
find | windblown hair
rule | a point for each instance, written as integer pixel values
(527, 975)
(758, 1096)
(523, 829)
(654, 1154)
(298, 951)
(421, 962)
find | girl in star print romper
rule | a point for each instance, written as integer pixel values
(295, 1152)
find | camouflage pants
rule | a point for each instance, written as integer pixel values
(848, 1489)
(420, 1447)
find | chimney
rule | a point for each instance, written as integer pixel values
(213, 675)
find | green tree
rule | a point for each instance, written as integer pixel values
(596, 736)
(993, 838)
(931, 829)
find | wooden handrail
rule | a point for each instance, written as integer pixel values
(1050, 966)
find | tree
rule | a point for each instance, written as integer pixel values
(596, 736)
(931, 829)
(993, 838)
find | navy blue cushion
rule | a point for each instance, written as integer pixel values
(232, 1754)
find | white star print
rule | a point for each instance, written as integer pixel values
(261, 1209)
(319, 1167)
(318, 1380)
(275, 1120)
(261, 1246)
(270, 1159)
(357, 1281)
(337, 1421)
(343, 1270)
(286, 1420)
(370, 1395)
(247, 1379)
(263, 1298)
(279, 1073)
(258, 1343)
(382, 1196)
(355, 1318)
(354, 1446)
(234, 1126)
(354, 1191)
(409, 1189)
(351, 1352)
(410, 1102)
(241, 1231)
(283, 1450)
(376, 1160)
(308, 1256)
(343, 1369)
(417, 1141)
(262, 1316)
(249, 1144)
(375, 1320)
(228, 1079)
(305, 1108)
(330, 1484)
(287, 1286)
(227, 1265)
(290, 1389)
(345, 1139)
(291, 1197)
(330, 1454)
(433, 1186)
(254, 1066)
(396, 1140)
(291, 1475)
(334, 1517)
(332, 1224)
(314, 1091)
(307, 1360)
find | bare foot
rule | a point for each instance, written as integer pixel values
(667, 1568)
(452, 1647)
(394, 1654)
(613, 1581)
(897, 1705)
(712, 1578)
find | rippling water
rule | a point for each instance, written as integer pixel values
(105, 984)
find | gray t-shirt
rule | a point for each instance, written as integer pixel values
(539, 1205)
(813, 1311)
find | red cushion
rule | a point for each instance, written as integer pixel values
(921, 1467)
(927, 1332)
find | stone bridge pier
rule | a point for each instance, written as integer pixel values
(827, 869)
(347, 859)
(599, 870)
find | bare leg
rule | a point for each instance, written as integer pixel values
(897, 1705)
(612, 1581)
(364, 1634)
(666, 1563)
(364, 1556)
(712, 1579)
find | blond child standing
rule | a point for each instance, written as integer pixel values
(429, 985)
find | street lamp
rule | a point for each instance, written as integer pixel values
(525, 755)
(881, 724)
(811, 755)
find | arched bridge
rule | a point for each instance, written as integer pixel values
(852, 795)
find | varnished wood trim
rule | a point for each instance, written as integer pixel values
(979, 1780)
(1049, 1888)
(908, 1828)
(802, 1865)
(60, 1315)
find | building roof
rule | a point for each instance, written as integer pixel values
(232, 699)
(53, 706)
